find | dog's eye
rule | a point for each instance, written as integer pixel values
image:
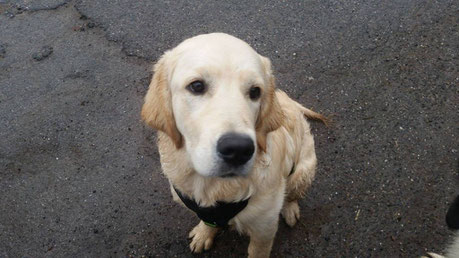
(254, 92)
(196, 87)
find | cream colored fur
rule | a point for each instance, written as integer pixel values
(191, 124)
(452, 251)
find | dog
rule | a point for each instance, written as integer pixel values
(452, 220)
(236, 150)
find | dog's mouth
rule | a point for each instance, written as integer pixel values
(229, 175)
(225, 171)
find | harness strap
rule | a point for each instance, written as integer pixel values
(214, 216)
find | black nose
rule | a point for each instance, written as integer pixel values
(235, 149)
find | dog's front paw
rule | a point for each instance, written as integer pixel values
(291, 213)
(203, 237)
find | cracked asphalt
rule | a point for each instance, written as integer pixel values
(80, 173)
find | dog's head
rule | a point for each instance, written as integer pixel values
(214, 95)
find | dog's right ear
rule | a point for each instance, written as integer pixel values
(271, 115)
(157, 109)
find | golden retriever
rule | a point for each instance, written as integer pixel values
(226, 135)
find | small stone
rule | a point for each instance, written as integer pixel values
(43, 53)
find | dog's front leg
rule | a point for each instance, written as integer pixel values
(262, 235)
(203, 237)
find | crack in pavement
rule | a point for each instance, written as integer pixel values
(124, 47)
(13, 9)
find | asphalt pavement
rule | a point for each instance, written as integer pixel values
(80, 173)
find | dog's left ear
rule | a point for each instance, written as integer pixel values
(271, 115)
(157, 109)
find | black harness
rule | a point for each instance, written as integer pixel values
(215, 216)
(220, 214)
